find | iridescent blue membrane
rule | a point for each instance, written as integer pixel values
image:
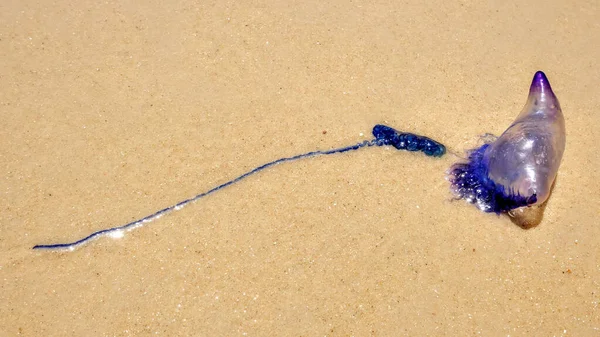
(519, 167)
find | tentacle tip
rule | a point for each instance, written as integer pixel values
(435, 150)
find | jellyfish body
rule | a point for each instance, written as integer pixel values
(519, 167)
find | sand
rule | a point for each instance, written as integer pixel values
(113, 110)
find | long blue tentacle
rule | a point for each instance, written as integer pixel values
(384, 136)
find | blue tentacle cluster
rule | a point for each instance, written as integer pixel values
(470, 182)
(408, 141)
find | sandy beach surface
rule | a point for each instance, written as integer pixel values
(111, 111)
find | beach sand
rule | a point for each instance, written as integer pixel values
(113, 110)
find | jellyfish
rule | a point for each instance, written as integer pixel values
(515, 173)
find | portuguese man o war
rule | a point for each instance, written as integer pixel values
(384, 136)
(512, 174)
(515, 173)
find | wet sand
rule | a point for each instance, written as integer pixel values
(111, 111)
